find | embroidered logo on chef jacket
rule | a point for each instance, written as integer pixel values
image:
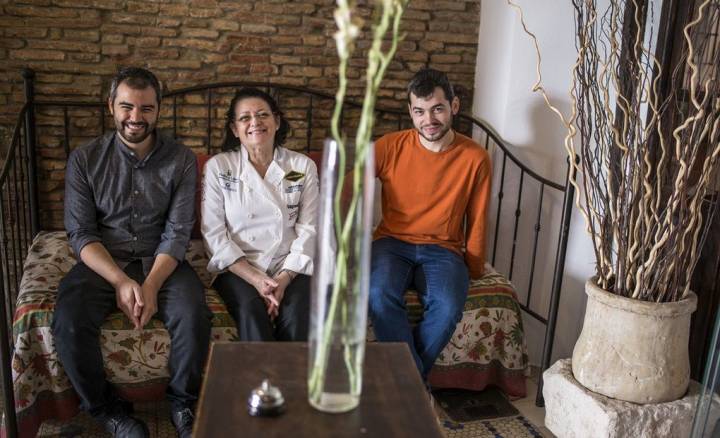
(294, 188)
(293, 211)
(228, 182)
(294, 176)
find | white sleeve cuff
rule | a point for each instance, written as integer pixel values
(228, 254)
(299, 263)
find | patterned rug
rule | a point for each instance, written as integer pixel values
(486, 413)
(156, 416)
(510, 427)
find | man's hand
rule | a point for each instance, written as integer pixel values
(129, 299)
(128, 295)
(162, 268)
(149, 293)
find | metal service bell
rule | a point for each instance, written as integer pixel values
(266, 401)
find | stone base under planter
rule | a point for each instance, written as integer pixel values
(573, 411)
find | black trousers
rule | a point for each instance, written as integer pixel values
(248, 309)
(85, 300)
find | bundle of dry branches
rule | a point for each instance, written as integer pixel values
(647, 160)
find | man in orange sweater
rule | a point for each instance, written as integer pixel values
(435, 192)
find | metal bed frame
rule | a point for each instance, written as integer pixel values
(20, 209)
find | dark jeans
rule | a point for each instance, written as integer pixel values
(85, 300)
(441, 278)
(248, 309)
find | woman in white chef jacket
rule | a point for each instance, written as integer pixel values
(258, 220)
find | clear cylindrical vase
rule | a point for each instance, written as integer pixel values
(340, 282)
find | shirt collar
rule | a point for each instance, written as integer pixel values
(275, 172)
(130, 154)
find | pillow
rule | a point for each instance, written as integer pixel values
(201, 160)
(316, 156)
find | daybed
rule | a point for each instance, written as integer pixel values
(488, 347)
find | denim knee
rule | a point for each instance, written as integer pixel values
(67, 319)
(449, 309)
(193, 318)
(380, 301)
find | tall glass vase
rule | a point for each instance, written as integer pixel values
(340, 282)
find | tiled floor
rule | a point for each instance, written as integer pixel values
(527, 407)
(156, 416)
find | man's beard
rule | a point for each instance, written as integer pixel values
(438, 135)
(134, 137)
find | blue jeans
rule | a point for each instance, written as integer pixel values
(441, 278)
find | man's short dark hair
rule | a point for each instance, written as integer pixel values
(425, 81)
(136, 78)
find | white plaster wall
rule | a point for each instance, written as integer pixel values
(505, 73)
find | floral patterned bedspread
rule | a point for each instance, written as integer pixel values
(487, 347)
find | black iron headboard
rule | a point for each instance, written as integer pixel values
(202, 126)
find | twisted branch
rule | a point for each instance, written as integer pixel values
(645, 184)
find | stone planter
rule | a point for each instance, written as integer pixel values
(634, 350)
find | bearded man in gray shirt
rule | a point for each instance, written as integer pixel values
(129, 210)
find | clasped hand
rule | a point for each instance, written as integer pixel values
(272, 290)
(138, 302)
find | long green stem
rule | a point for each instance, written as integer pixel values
(342, 292)
(344, 41)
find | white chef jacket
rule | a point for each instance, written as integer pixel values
(270, 221)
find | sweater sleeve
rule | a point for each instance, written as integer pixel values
(381, 145)
(477, 219)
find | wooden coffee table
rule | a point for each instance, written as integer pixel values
(394, 402)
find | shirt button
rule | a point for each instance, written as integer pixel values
(137, 192)
(134, 214)
(134, 237)
(252, 238)
(250, 215)
(277, 213)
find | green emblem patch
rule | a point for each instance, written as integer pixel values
(294, 176)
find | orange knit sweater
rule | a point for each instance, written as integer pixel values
(428, 196)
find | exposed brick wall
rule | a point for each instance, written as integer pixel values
(75, 46)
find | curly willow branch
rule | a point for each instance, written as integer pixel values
(645, 182)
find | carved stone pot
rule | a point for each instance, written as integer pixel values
(634, 350)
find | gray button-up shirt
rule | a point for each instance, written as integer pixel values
(135, 208)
